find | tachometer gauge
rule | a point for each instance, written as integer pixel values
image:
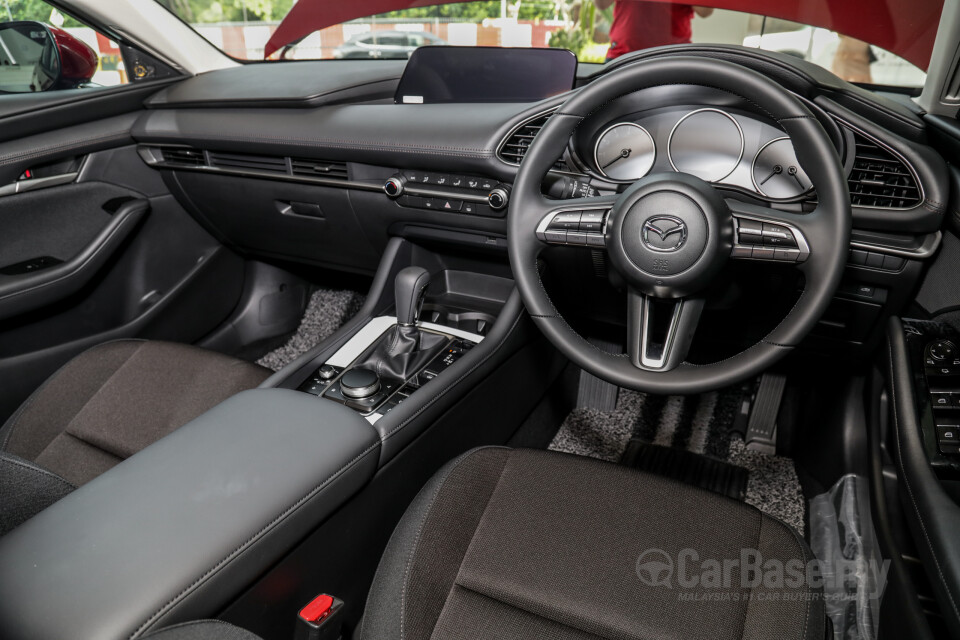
(707, 143)
(776, 172)
(625, 152)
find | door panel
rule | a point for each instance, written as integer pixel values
(122, 258)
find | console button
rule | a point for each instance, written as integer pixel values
(893, 263)
(942, 350)
(948, 434)
(487, 184)
(857, 257)
(941, 400)
(450, 205)
(458, 182)
(412, 201)
(874, 260)
(326, 372)
(473, 183)
(441, 180)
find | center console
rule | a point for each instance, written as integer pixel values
(391, 357)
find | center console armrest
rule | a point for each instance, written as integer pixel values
(178, 530)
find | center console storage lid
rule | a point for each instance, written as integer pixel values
(178, 530)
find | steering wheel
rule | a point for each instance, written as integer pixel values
(669, 234)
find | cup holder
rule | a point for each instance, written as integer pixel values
(472, 321)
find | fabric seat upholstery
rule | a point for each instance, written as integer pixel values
(112, 401)
(534, 545)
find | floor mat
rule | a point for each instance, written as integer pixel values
(326, 312)
(692, 468)
(699, 424)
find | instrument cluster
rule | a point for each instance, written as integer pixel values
(720, 146)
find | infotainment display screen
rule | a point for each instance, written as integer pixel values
(485, 74)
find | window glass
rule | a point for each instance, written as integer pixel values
(86, 57)
(595, 30)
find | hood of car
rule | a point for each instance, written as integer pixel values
(904, 27)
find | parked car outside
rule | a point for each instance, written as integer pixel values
(386, 45)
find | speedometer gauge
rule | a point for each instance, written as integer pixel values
(625, 151)
(707, 143)
(776, 172)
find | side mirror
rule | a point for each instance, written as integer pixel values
(36, 57)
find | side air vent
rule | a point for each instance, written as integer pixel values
(244, 161)
(319, 169)
(880, 178)
(514, 147)
(183, 156)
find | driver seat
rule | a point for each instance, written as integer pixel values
(514, 544)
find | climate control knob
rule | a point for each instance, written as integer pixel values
(498, 198)
(393, 187)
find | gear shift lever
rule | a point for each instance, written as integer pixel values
(409, 288)
(405, 349)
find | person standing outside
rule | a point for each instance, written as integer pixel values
(640, 25)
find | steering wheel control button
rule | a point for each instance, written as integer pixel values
(774, 234)
(592, 221)
(786, 255)
(595, 240)
(569, 221)
(359, 383)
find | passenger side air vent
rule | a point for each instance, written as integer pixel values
(515, 146)
(319, 169)
(880, 178)
(183, 156)
(248, 162)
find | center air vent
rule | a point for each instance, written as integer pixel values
(514, 147)
(880, 178)
(248, 162)
(319, 168)
(183, 156)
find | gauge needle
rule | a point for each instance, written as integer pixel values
(793, 172)
(624, 153)
(777, 170)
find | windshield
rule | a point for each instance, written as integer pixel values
(595, 30)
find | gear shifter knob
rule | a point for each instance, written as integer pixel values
(409, 287)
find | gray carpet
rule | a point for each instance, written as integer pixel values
(696, 423)
(326, 312)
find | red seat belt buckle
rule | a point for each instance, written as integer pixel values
(320, 620)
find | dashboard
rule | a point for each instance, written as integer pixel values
(334, 167)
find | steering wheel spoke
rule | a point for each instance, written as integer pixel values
(660, 330)
(771, 235)
(577, 223)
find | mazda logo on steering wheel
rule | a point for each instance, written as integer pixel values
(664, 233)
